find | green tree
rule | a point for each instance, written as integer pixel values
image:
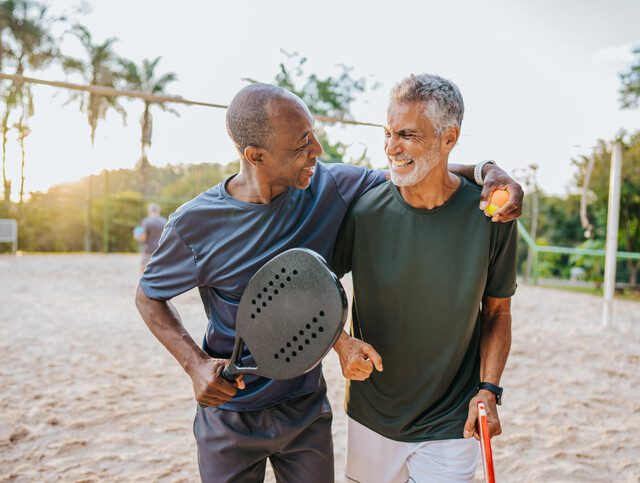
(8, 24)
(145, 79)
(630, 90)
(330, 96)
(26, 44)
(100, 67)
(56, 220)
(629, 233)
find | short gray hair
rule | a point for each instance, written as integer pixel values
(247, 119)
(441, 97)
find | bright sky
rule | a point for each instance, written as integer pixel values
(539, 79)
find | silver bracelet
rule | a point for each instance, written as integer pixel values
(477, 171)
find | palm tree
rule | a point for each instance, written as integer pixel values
(23, 131)
(100, 68)
(143, 78)
(8, 25)
(30, 46)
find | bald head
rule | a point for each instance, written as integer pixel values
(248, 115)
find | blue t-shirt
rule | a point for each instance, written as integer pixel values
(152, 226)
(216, 243)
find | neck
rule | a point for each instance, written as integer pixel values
(248, 187)
(434, 190)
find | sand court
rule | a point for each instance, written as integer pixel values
(87, 393)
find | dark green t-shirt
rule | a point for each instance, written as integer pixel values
(419, 277)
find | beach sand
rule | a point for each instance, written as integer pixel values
(88, 394)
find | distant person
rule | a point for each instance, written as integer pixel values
(148, 233)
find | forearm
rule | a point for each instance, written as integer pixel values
(495, 342)
(466, 170)
(164, 322)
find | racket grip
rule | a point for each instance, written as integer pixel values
(227, 376)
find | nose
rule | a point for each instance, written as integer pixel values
(317, 149)
(392, 146)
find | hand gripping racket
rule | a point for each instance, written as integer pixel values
(485, 444)
(290, 315)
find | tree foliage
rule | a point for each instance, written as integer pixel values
(55, 221)
(630, 90)
(99, 67)
(26, 45)
(629, 233)
(143, 78)
(330, 96)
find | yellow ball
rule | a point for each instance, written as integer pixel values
(497, 200)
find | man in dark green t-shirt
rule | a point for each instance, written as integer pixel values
(432, 282)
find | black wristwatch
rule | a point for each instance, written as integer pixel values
(497, 390)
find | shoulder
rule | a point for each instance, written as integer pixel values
(470, 190)
(470, 196)
(373, 200)
(349, 173)
(199, 208)
(342, 169)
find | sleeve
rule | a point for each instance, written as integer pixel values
(343, 248)
(501, 279)
(352, 180)
(172, 268)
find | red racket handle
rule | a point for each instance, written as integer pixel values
(485, 444)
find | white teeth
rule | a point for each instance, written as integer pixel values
(402, 163)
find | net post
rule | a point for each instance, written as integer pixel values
(613, 218)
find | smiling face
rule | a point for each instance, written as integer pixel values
(292, 157)
(411, 143)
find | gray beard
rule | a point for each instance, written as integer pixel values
(422, 167)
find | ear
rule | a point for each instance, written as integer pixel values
(450, 138)
(254, 155)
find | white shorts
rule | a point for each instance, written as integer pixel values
(372, 458)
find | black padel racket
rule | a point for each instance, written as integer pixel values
(290, 315)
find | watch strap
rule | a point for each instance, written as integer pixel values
(497, 390)
(477, 171)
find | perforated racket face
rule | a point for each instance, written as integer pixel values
(290, 314)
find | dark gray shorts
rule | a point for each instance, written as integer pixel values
(295, 436)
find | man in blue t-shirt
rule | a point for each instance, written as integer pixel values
(282, 198)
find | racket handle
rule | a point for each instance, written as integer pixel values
(227, 376)
(485, 444)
